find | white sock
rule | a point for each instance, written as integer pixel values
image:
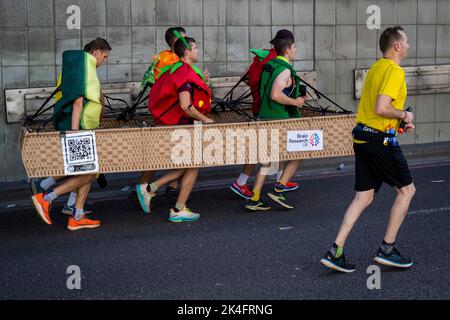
(279, 174)
(47, 183)
(50, 196)
(79, 213)
(243, 178)
(72, 199)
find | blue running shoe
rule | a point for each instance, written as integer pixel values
(290, 186)
(69, 210)
(393, 259)
(338, 264)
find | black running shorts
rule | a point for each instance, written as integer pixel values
(376, 163)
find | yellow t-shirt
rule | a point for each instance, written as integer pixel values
(58, 95)
(92, 108)
(387, 78)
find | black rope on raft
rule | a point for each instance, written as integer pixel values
(130, 111)
(322, 95)
(31, 119)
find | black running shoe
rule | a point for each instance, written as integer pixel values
(257, 206)
(171, 193)
(394, 259)
(338, 264)
(280, 198)
(35, 186)
(101, 180)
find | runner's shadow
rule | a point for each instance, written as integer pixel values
(387, 269)
(331, 274)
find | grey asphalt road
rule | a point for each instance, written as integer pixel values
(230, 253)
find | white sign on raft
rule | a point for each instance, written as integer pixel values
(308, 140)
(80, 153)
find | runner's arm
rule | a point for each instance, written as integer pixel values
(102, 101)
(410, 127)
(186, 106)
(277, 93)
(385, 109)
(206, 75)
(77, 108)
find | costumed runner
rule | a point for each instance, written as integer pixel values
(161, 60)
(262, 56)
(279, 99)
(42, 185)
(79, 107)
(179, 97)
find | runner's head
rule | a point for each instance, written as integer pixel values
(394, 41)
(171, 36)
(186, 49)
(284, 44)
(99, 48)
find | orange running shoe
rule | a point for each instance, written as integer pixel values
(83, 223)
(42, 207)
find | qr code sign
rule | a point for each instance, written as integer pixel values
(80, 149)
(80, 153)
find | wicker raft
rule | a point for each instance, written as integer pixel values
(129, 146)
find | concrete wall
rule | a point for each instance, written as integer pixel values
(332, 36)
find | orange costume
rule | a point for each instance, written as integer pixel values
(164, 58)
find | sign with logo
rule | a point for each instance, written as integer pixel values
(80, 153)
(308, 140)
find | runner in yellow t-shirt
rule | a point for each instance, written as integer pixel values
(378, 156)
(386, 78)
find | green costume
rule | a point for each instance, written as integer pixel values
(260, 53)
(79, 79)
(271, 110)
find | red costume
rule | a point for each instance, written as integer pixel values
(254, 74)
(164, 103)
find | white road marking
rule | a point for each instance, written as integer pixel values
(430, 211)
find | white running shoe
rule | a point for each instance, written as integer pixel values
(144, 197)
(184, 215)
